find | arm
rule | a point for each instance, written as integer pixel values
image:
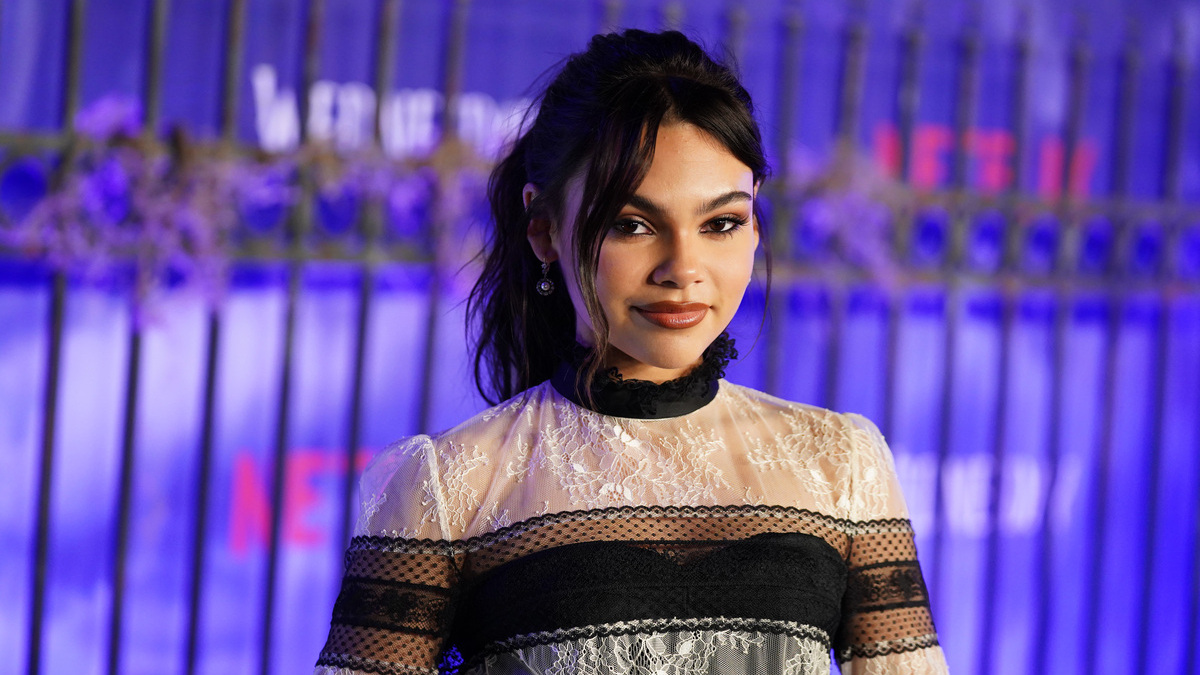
(397, 597)
(886, 626)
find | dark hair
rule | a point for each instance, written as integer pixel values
(598, 119)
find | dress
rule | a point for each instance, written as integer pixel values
(709, 529)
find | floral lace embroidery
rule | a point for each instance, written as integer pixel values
(813, 450)
(751, 498)
(602, 462)
(689, 652)
(811, 658)
(370, 507)
(872, 484)
(518, 467)
(498, 518)
(459, 498)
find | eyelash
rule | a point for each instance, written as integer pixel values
(731, 223)
(734, 224)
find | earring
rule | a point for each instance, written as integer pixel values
(544, 286)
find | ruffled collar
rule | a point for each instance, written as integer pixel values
(616, 396)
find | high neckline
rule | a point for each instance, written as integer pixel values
(615, 396)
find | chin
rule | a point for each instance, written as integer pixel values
(671, 353)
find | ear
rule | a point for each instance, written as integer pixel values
(538, 232)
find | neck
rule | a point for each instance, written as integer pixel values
(630, 368)
(621, 393)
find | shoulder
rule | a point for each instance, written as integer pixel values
(424, 453)
(775, 412)
(846, 448)
(494, 428)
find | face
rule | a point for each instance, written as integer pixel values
(674, 266)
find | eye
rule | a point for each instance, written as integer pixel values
(726, 225)
(628, 227)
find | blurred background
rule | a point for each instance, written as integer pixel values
(236, 235)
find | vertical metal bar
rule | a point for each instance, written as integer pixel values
(1063, 269)
(311, 60)
(1178, 76)
(991, 573)
(354, 439)
(735, 32)
(46, 472)
(203, 484)
(672, 15)
(960, 221)
(1019, 115)
(279, 460)
(1040, 653)
(611, 17)
(1192, 658)
(58, 293)
(387, 42)
(778, 245)
(452, 67)
(854, 45)
(298, 223)
(76, 16)
(1103, 473)
(235, 31)
(446, 219)
(965, 104)
(908, 97)
(155, 40)
(1177, 79)
(908, 93)
(125, 492)
(372, 224)
(1130, 65)
(235, 37)
(1009, 301)
(850, 91)
(833, 343)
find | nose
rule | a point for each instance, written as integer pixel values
(680, 264)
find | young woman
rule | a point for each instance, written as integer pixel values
(625, 510)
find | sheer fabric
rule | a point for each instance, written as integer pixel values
(751, 535)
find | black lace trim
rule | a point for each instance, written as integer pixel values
(370, 665)
(410, 608)
(888, 648)
(890, 585)
(613, 395)
(457, 547)
(783, 577)
(649, 626)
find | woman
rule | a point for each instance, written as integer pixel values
(625, 510)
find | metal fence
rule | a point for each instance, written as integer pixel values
(1035, 258)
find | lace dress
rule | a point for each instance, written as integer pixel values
(691, 528)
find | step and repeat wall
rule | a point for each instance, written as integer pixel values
(236, 237)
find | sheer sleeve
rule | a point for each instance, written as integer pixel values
(886, 625)
(396, 603)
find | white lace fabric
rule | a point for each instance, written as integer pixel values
(538, 472)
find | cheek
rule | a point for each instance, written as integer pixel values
(738, 273)
(612, 281)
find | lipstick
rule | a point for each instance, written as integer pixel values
(673, 315)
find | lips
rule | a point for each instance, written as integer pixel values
(673, 315)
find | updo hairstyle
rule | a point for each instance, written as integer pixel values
(598, 120)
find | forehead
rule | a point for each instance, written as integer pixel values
(689, 166)
(689, 163)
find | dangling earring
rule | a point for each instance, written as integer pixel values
(544, 286)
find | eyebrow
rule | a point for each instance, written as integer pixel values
(648, 205)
